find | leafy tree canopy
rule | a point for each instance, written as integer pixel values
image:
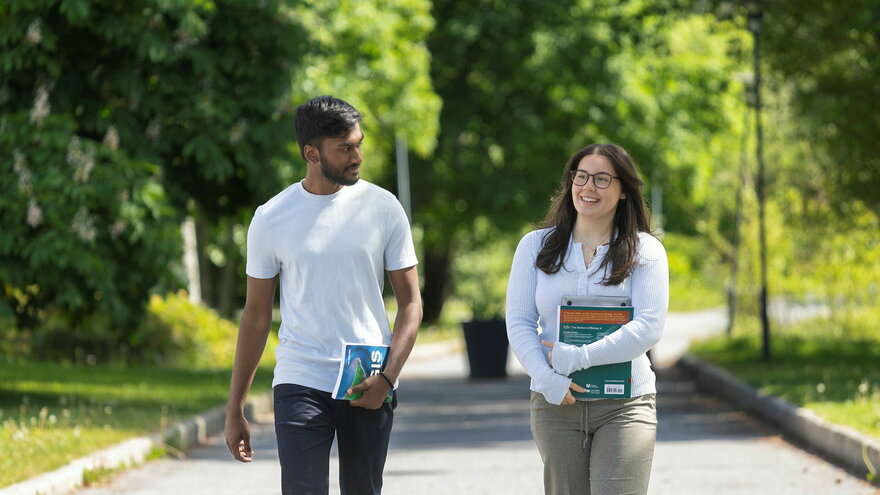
(373, 54)
(199, 87)
(527, 83)
(822, 60)
(114, 116)
(831, 54)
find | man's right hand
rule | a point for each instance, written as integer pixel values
(238, 437)
(256, 321)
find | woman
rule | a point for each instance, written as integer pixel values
(595, 241)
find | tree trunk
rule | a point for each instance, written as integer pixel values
(202, 232)
(191, 260)
(438, 286)
(228, 280)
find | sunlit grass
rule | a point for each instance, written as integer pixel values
(828, 365)
(51, 414)
(686, 294)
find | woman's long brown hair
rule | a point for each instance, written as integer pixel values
(630, 217)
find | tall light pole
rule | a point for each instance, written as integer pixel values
(755, 16)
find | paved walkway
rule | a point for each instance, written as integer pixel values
(453, 435)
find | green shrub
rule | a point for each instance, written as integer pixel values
(179, 332)
(173, 332)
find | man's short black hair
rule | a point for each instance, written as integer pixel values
(323, 117)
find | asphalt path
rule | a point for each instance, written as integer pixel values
(454, 435)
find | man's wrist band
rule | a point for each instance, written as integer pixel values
(390, 383)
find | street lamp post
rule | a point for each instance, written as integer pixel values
(755, 16)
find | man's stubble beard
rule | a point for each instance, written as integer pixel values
(339, 179)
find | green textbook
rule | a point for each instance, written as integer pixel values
(582, 325)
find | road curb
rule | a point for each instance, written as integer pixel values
(181, 436)
(841, 444)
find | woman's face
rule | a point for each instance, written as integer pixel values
(591, 202)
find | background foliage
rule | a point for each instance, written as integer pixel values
(106, 149)
(828, 59)
(526, 85)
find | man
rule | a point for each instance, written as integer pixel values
(329, 240)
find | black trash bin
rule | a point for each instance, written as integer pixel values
(486, 342)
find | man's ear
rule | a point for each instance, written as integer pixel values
(312, 153)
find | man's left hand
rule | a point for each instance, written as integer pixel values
(375, 389)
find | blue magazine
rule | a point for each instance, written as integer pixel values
(358, 362)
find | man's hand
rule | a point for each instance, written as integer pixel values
(238, 437)
(375, 389)
(256, 321)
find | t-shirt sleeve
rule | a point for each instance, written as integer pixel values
(261, 259)
(399, 250)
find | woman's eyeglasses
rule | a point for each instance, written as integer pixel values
(600, 179)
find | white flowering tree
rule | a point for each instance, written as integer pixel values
(113, 117)
(86, 231)
(199, 87)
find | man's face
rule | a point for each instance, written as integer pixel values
(341, 157)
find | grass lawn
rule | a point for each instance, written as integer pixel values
(51, 414)
(829, 367)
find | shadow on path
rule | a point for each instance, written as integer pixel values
(456, 412)
(685, 415)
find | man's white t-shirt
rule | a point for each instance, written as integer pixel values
(331, 252)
